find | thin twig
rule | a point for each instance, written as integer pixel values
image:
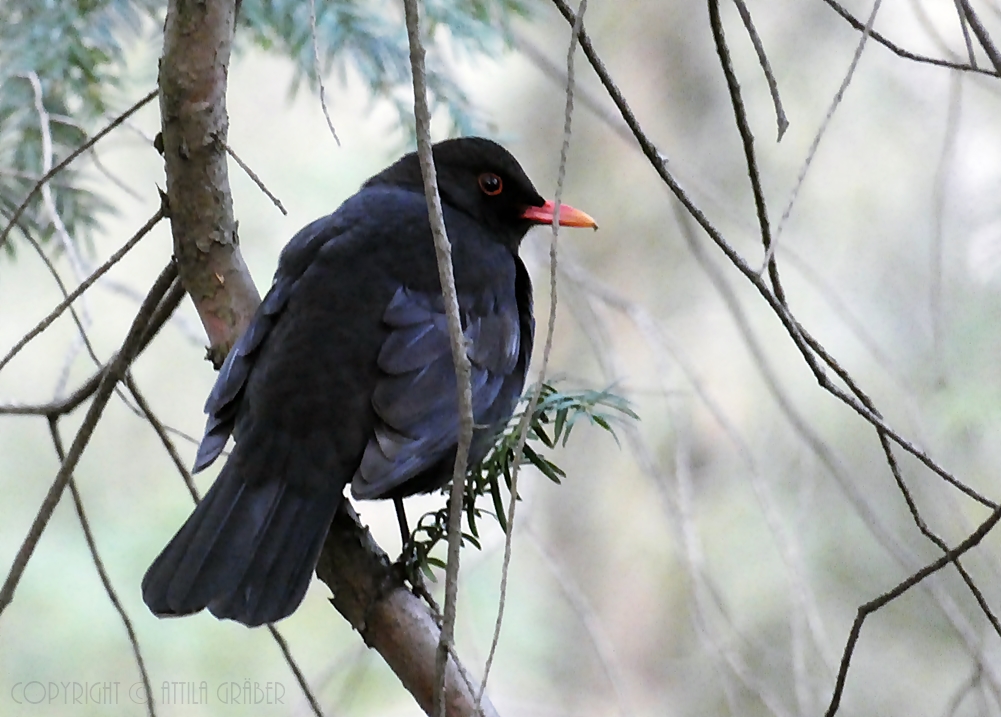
(463, 370)
(66, 162)
(582, 96)
(110, 377)
(773, 86)
(547, 349)
(77, 319)
(747, 140)
(45, 129)
(822, 130)
(982, 35)
(161, 433)
(901, 52)
(964, 26)
(319, 73)
(90, 386)
(102, 572)
(257, 180)
(299, 677)
(86, 284)
(868, 608)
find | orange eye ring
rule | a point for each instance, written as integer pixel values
(490, 184)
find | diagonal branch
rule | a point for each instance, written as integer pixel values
(808, 347)
(982, 35)
(102, 571)
(84, 285)
(66, 162)
(951, 556)
(109, 379)
(901, 52)
(747, 139)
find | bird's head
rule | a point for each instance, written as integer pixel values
(482, 179)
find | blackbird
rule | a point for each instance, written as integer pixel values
(345, 374)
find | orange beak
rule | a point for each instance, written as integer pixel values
(569, 217)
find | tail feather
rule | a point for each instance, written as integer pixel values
(249, 549)
(280, 570)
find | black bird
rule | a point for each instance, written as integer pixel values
(345, 375)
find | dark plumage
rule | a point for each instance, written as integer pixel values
(345, 375)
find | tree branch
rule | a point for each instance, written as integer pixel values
(108, 381)
(369, 593)
(197, 39)
(463, 370)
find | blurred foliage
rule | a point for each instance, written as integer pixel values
(372, 38)
(77, 51)
(554, 417)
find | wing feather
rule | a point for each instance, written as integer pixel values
(415, 401)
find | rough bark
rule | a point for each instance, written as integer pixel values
(193, 72)
(198, 36)
(368, 592)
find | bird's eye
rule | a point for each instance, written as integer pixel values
(491, 184)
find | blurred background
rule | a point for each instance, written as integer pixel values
(710, 561)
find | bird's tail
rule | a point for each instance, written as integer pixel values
(248, 551)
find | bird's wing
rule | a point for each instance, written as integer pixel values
(416, 400)
(223, 403)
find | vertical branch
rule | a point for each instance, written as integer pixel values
(197, 39)
(526, 419)
(443, 253)
(747, 139)
(835, 103)
(982, 36)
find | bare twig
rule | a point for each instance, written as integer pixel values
(86, 284)
(69, 158)
(77, 318)
(547, 349)
(822, 130)
(747, 140)
(256, 180)
(116, 369)
(463, 370)
(773, 87)
(319, 72)
(964, 26)
(90, 386)
(299, 677)
(901, 52)
(102, 573)
(161, 432)
(868, 608)
(982, 35)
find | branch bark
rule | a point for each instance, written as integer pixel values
(367, 590)
(197, 40)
